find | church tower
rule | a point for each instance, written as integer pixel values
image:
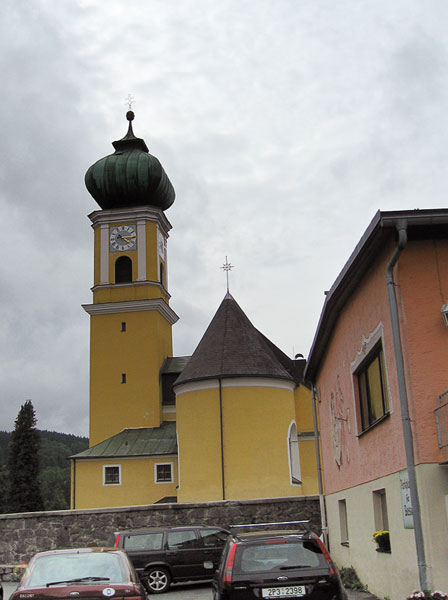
(130, 317)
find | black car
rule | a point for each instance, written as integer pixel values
(276, 563)
(162, 555)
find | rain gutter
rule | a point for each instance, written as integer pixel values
(323, 514)
(222, 440)
(404, 404)
(74, 482)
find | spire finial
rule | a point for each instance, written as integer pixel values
(226, 267)
(130, 114)
(129, 101)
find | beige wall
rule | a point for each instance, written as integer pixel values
(392, 575)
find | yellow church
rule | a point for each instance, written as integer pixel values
(232, 422)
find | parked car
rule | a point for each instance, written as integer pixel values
(276, 563)
(91, 573)
(165, 555)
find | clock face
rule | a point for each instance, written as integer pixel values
(123, 237)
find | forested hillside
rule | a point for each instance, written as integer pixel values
(55, 448)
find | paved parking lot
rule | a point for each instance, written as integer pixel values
(192, 591)
(201, 591)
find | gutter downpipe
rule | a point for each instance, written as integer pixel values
(323, 514)
(74, 482)
(404, 405)
(222, 440)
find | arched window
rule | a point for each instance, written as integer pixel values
(123, 270)
(294, 457)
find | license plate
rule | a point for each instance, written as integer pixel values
(287, 591)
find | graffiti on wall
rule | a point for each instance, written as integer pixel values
(340, 425)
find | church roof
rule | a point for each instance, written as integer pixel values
(130, 176)
(141, 441)
(233, 347)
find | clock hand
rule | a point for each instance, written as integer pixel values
(128, 238)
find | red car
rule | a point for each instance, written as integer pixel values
(93, 573)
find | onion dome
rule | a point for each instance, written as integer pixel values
(130, 176)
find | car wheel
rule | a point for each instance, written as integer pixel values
(156, 580)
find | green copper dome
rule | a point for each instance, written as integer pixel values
(130, 176)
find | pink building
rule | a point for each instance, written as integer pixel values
(379, 366)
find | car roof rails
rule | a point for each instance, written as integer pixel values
(303, 526)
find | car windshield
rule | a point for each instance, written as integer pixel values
(75, 568)
(277, 556)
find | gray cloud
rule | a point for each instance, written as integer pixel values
(283, 126)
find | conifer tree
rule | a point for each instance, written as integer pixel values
(3, 488)
(23, 463)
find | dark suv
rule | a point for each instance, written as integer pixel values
(276, 563)
(162, 555)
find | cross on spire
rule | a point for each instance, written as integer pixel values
(129, 101)
(226, 267)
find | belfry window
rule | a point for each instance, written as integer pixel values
(162, 275)
(123, 270)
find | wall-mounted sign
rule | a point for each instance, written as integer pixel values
(406, 504)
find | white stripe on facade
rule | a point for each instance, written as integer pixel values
(104, 253)
(231, 382)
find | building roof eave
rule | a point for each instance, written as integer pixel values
(421, 225)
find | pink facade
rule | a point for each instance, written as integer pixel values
(349, 456)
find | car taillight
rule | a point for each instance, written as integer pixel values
(227, 578)
(117, 540)
(327, 556)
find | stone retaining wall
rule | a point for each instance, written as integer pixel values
(22, 535)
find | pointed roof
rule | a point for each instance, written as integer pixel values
(233, 347)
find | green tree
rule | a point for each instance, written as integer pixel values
(3, 487)
(23, 463)
(55, 486)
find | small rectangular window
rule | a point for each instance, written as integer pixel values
(112, 475)
(164, 472)
(380, 510)
(123, 326)
(372, 389)
(343, 523)
(123, 378)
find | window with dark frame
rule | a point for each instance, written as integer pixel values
(111, 475)
(123, 378)
(164, 473)
(123, 326)
(372, 389)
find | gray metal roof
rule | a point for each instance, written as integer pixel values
(233, 347)
(142, 441)
(174, 364)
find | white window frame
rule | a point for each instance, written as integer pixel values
(295, 473)
(104, 475)
(155, 472)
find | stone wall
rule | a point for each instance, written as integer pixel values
(22, 535)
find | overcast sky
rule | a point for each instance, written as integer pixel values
(284, 125)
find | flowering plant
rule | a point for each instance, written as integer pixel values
(382, 540)
(436, 595)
